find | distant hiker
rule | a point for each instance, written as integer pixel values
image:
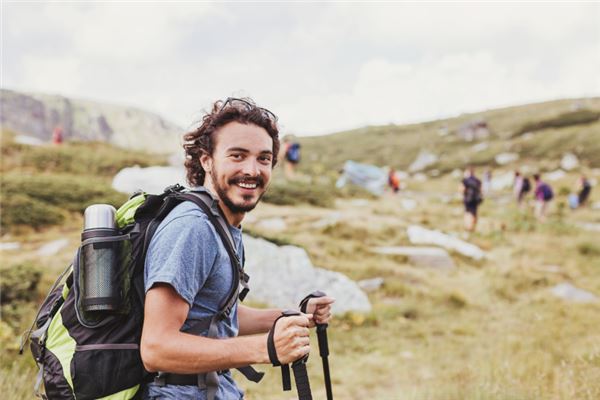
(585, 190)
(188, 270)
(486, 184)
(394, 180)
(543, 195)
(472, 198)
(291, 151)
(57, 135)
(521, 186)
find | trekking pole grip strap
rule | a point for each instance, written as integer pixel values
(271, 337)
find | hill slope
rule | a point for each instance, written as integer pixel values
(533, 131)
(36, 115)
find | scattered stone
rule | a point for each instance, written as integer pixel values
(555, 175)
(151, 179)
(282, 276)
(432, 257)
(423, 160)
(420, 177)
(51, 248)
(456, 173)
(420, 235)
(503, 181)
(10, 246)
(408, 204)
(29, 140)
(272, 224)
(506, 158)
(589, 226)
(527, 135)
(434, 172)
(407, 355)
(596, 205)
(569, 292)
(476, 148)
(474, 130)
(569, 162)
(329, 220)
(359, 202)
(370, 285)
(553, 269)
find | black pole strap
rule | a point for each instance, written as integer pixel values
(298, 366)
(323, 342)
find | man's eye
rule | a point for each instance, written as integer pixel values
(237, 156)
(265, 159)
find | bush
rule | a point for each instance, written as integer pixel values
(562, 120)
(69, 192)
(19, 283)
(292, 193)
(20, 209)
(92, 158)
(588, 249)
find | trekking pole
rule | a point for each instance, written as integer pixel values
(323, 342)
(298, 366)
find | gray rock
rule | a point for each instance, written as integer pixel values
(51, 248)
(272, 224)
(569, 292)
(408, 204)
(329, 220)
(569, 162)
(423, 160)
(503, 181)
(282, 276)
(370, 285)
(151, 179)
(432, 257)
(29, 140)
(10, 246)
(596, 205)
(480, 147)
(555, 175)
(420, 235)
(506, 158)
(589, 226)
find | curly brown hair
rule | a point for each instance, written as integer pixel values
(202, 139)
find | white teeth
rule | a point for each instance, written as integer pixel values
(247, 185)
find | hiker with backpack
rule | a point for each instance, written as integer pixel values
(521, 187)
(149, 306)
(231, 155)
(543, 195)
(472, 198)
(291, 153)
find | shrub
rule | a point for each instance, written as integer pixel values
(20, 209)
(562, 120)
(19, 283)
(69, 192)
(588, 249)
(292, 193)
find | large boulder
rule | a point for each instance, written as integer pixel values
(420, 235)
(423, 160)
(506, 158)
(568, 292)
(282, 276)
(430, 257)
(151, 179)
(569, 162)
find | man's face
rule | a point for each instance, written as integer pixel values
(239, 170)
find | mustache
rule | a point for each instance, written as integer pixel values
(260, 182)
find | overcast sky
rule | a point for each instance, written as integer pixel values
(320, 67)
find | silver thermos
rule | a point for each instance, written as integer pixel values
(99, 259)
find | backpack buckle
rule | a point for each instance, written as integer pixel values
(176, 188)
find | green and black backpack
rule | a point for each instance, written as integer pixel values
(85, 354)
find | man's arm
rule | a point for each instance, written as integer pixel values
(252, 320)
(165, 348)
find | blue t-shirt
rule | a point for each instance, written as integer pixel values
(187, 253)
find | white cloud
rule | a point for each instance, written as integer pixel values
(321, 67)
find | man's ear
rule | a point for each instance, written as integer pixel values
(206, 162)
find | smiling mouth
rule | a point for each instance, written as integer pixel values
(245, 185)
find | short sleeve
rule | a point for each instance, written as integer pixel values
(182, 254)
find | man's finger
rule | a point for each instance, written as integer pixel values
(320, 301)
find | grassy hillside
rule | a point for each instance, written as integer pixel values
(485, 330)
(398, 146)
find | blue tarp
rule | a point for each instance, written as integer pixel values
(369, 177)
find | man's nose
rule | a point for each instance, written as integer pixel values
(251, 167)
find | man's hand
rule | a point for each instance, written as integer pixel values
(291, 338)
(320, 308)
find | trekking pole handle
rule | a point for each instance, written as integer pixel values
(321, 328)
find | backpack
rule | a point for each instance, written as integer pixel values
(526, 186)
(547, 192)
(293, 153)
(473, 191)
(85, 354)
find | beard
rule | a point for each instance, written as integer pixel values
(237, 208)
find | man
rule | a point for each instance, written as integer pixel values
(543, 196)
(584, 193)
(188, 270)
(471, 199)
